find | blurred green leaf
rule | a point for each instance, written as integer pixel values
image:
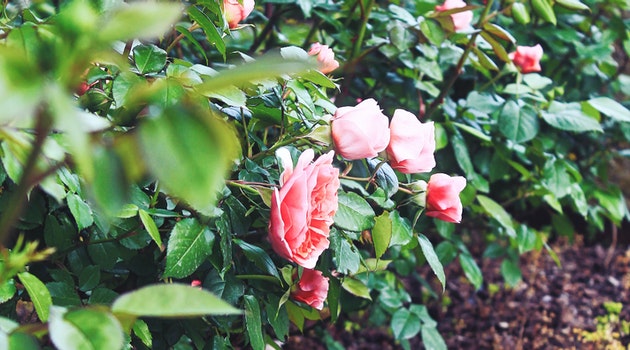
(405, 324)
(573, 5)
(7, 290)
(496, 211)
(382, 234)
(39, 294)
(544, 9)
(85, 329)
(141, 330)
(150, 226)
(141, 20)
(356, 287)
(611, 108)
(519, 124)
(511, 272)
(471, 270)
(171, 300)
(190, 243)
(80, 211)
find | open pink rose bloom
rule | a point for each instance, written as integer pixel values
(443, 197)
(302, 210)
(527, 58)
(361, 131)
(461, 20)
(312, 289)
(235, 12)
(411, 144)
(325, 57)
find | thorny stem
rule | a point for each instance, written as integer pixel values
(19, 196)
(458, 69)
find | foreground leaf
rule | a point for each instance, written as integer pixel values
(39, 294)
(189, 245)
(171, 300)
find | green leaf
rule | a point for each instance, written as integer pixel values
(39, 294)
(520, 13)
(190, 151)
(401, 229)
(432, 339)
(7, 290)
(139, 20)
(347, 257)
(611, 108)
(85, 329)
(385, 176)
(212, 32)
(259, 257)
(80, 210)
(89, 278)
(405, 324)
(382, 234)
(544, 10)
(519, 124)
(141, 330)
(354, 213)
(356, 287)
(463, 156)
(471, 270)
(432, 259)
(496, 211)
(171, 300)
(253, 322)
(21, 341)
(63, 294)
(150, 226)
(511, 272)
(149, 58)
(573, 5)
(189, 245)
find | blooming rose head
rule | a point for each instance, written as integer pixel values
(312, 289)
(411, 144)
(361, 131)
(527, 58)
(235, 12)
(325, 57)
(302, 210)
(442, 200)
(461, 20)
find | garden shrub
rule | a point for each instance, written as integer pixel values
(212, 174)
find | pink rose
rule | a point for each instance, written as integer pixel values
(443, 197)
(235, 12)
(312, 289)
(361, 131)
(527, 58)
(461, 20)
(411, 144)
(325, 57)
(302, 210)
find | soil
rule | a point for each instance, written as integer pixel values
(552, 308)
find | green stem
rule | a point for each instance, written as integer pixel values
(364, 20)
(458, 69)
(275, 146)
(193, 27)
(19, 196)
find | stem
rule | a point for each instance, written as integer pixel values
(365, 16)
(18, 198)
(311, 32)
(193, 27)
(127, 49)
(458, 70)
(275, 147)
(267, 29)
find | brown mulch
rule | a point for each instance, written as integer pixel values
(552, 308)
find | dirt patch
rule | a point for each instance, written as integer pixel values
(552, 308)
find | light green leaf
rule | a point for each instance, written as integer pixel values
(544, 10)
(101, 330)
(611, 108)
(189, 245)
(39, 294)
(356, 287)
(80, 210)
(511, 272)
(149, 58)
(141, 330)
(382, 234)
(150, 226)
(143, 20)
(354, 213)
(171, 300)
(432, 259)
(253, 322)
(496, 211)
(405, 324)
(7, 290)
(573, 5)
(518, 123)
(432, 339)
(471, 270)
(401, 229)
(190, 151)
